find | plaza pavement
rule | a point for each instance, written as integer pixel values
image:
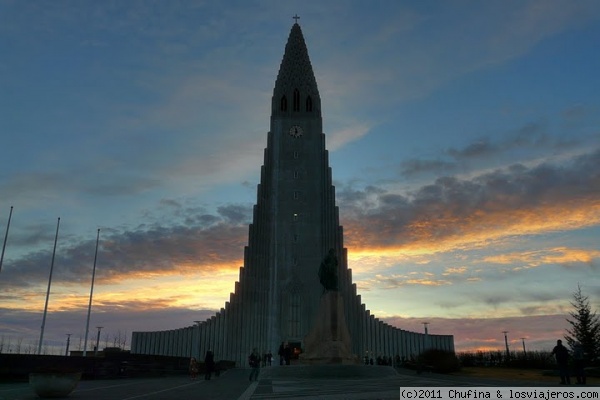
(295, 383)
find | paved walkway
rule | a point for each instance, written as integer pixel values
(234, 384)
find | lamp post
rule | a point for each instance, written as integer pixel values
(48, 291)
(506, 343)
(5, 237)
(97, 341)
(87, 325)
(68, 342)
(425, 325)
(524, 351)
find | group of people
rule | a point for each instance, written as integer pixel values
(284, 353)
(255, 360)
(562, 359)
(209, 366)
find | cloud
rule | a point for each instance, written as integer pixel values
(568, 257)
(50, 184)
(533, 138)
(455, 271)
(207, 243)
(459, 40)
(347, 135)
(453, 213)
(394, 281)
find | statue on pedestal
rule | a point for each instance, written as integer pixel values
(329, 342)
(328, 272)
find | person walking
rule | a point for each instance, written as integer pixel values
(193, 368)
(281, 353)
(254, 361)
(287, 353)
(562, 359)
(209, 364)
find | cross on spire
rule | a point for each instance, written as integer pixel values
(296, 17)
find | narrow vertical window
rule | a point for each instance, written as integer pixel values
(294, 313)
(296, 174)
(283, 103)
(296, 100)
(296, 195)
(295, 154)
(308, 104)
(295, 237)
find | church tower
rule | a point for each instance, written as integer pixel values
(295, 224)
(295, 217)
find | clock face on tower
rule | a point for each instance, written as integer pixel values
(295, 131)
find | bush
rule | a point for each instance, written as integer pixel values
(441, 361)
(531, 359)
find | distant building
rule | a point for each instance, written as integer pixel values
(295, 223)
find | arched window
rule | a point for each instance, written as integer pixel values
(296, 100)
(308, 104)
(284, 103)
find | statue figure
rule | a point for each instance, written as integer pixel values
(328, 271)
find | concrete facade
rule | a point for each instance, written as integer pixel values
(295, 223)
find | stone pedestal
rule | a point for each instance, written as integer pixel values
(329, 342)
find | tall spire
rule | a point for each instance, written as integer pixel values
(295, 71)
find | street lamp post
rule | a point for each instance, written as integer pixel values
(97, 341)
(87, 325)
(524, 351)
(5, 237)
(48, 291)
(425, 325)
(506, 343)
(68, 342)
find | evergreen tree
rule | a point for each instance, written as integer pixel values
(585, 326)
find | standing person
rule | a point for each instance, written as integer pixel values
(281, 353)
(193, 368)
(254, 361)
(287, 353)
(562, 359)
(579, 362)
(269, 358)
(209, 364)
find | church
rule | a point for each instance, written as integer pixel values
(295, 225)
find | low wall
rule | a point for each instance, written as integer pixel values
(16, 367)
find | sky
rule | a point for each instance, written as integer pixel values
(464, 142)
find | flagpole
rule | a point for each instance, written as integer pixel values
(48, 292)
(5, 237)
(87, 326)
